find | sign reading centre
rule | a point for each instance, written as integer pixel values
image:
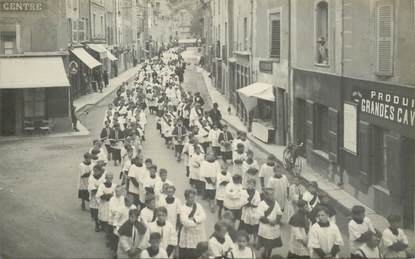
(393, 107)
(22, 6)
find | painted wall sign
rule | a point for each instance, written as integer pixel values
(388, 106)
(22, 6)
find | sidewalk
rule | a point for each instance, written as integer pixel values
(342, 198)
(114, 83)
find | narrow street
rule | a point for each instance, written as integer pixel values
(48, 191)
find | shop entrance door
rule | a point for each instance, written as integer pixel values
(300, 123)
(8, 123)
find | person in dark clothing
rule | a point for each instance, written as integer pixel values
(105, 77)
(215, 115)
(198, 99)
(74, 118)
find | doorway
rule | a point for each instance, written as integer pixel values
(8, 123)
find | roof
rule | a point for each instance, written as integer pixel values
(87, 59)
(32, 72)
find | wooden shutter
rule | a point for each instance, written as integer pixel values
(364, 149)
(275, 50)
(384, 39)
(393, 166)
(333, 139)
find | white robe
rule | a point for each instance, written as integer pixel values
(324, 238)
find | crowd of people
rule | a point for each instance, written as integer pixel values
(142, 216)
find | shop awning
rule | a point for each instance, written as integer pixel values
(251, 93)
(87, 59)
(32, 72)
(101, 50)
(111, 56)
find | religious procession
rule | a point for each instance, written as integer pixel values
(141, 215)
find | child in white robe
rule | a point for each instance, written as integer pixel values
(195, 161)
(241, 250)
(324, 238)
(249, 162)
(85, 170)
(105, 192)
(161, 181)
(279, 183)
(222, 179)
(154, 251)
(166, 230)
(238, 157)
(95, 179)
(235, 197)
(266, 171)
(249, 217)
(220, 243)
(359, 228)
(269, 213)
(172, 204)
(394, 240)
(209, 170)
(192, 217)
(147, 214)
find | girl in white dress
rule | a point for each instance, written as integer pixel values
(324, 238)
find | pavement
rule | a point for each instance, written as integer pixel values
(343, 199)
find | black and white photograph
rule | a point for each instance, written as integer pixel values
(207, 129)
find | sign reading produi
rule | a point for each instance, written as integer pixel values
(393, 107)
(22, 6)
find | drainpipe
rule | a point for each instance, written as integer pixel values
(340, 158)
(251, 62)
(90, 21)
(290, 105)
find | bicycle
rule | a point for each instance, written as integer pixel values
(290, 158)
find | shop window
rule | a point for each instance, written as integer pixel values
(379, 156)
(322, 33)
(34, 103)
(275, 36)
(384, 39)
(321, 128)
(265, 110)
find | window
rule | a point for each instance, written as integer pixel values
(322, 32)
(245, 44)
(101, 29)
(75, 5)
(321, 128)
(265, 110)
(81, 30)
(7, 42)
(74, 31)
(384, 39)
(94, 23)
(275, 36)
(34, 103)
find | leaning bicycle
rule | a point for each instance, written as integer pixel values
(291, 161)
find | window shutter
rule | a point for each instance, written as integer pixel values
(384, 39)
(275, 38)
(333, 139)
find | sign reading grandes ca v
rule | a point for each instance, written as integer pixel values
(22, 6)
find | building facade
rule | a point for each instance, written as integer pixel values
(34, 88)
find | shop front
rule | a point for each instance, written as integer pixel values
(84, 65)
(379, 146)
(34, 95)
(258, 99)
(316, 113)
